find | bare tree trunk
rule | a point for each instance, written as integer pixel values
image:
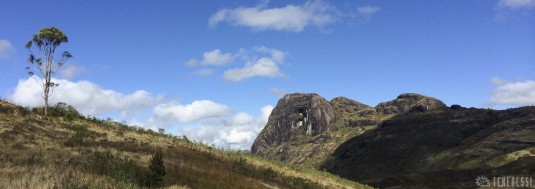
(48, 77)
(45, 96)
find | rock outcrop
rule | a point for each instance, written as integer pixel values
(294, 115)
(344, 102)
(407, 102)
(413, 141)
(304, 128)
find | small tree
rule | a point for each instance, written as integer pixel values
(157, 170)
(45, 43)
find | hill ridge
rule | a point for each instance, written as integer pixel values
(406, 141)
(68, 150)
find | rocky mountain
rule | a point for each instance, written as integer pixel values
(445, 148)
(413, 140)
(305, 128)
(296, 116)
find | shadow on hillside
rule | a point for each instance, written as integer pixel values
(446, 148)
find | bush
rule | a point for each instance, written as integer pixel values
(124, 171)
(82, 137)
(61, 109)
(157, 170)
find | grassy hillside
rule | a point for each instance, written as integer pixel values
(66, 150)
(442, 148)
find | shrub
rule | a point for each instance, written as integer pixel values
(157, 170)
(124, 171)
(61, 109)
(82, 137)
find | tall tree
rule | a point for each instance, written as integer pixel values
(44, 46)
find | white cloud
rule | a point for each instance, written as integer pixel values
(203, 133)
(242, 118)
(237, 132)
(276, 55)
(259, 61)
(6, 49)
(236, 136)
(254, 66)
(86, 97)
(263, 67)
(197, 110)
(520, 93)
(368, 11)
(293, 18)
(516, 4)
(263, 119)
(70, 70)
(215, 57)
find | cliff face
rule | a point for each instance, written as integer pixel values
(295, 115)
(410, 141)
(303, 126)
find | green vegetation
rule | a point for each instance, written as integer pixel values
(157, 171)
(45, 43)
(68, 150)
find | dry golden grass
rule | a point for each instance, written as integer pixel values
(66, 152)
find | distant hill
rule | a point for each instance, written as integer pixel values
(67, 150)
(411, 141)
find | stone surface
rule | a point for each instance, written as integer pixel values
(293, 131)
(408, 101)
(294, 115)
(400, 143)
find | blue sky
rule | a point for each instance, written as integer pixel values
(213, 70)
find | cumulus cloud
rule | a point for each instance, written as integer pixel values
(521, 93)
(214, 57)
(263, 67)
(254, 66)
(258, 61)
(236, 132)
(197, 110)
(6, 49)
(242, 118)
(516, 4)
(237, 137)
(292, 18)
(265, 112)
(86, 97)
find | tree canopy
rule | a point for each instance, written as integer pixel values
(44, 46)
